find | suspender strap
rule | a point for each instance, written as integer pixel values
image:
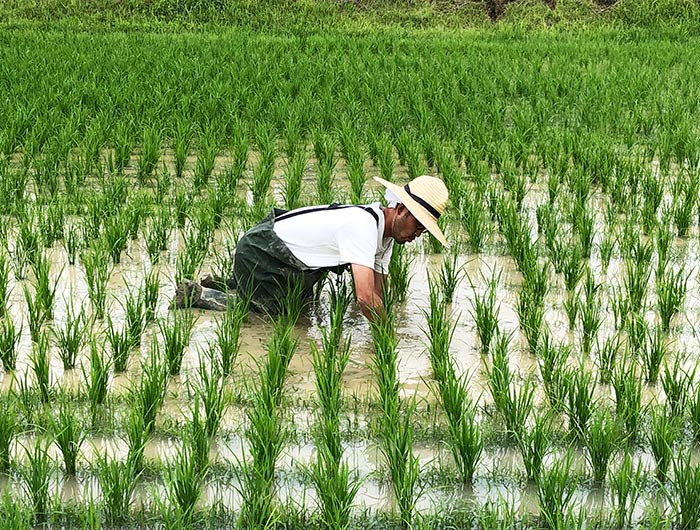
(333, 206)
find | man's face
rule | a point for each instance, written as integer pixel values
(406, 227)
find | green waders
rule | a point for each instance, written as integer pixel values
(266, 270)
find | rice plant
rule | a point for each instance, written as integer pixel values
(147, 393)
(485, 311)
(157, 233)
(590, 313)
(533, 443)
(654, 353)
(228, 333)
(450, 274)
(96, 262)
(45, 289)
(41, 366)
(606, 358)
(150, 154)
(396, 290)
(671, 289)
(555, 489)
(293, 179)
(625, 485)
(36, 478)
(628, 397)
(117, 481)
(635, 280)
(176, 333)
(664, 433)
(9, 422)
(135, 312)
(120, 345)
(71, 338)
(210, 390)
(69, 435)
(4, 284)
(150, 290)
(9, 340)
(185, 482)
(466, 441)
(96, 377)
(580, 403)
(684, 494)
(601, 440)
(513, 403)
(551, 359)
(676, 382)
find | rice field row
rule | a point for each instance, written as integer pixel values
(542, 372)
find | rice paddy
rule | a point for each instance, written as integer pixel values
(542, 372)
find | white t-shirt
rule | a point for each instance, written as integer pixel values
(328, 238)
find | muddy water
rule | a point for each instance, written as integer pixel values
(414, 368)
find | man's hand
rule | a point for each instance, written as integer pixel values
(368, 289)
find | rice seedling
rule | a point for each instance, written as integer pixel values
(583, 226)
(148, 392)
(135, 312)
(176, 333)
(136, 436)
(399, 272)
(150, 154)
(485, 311)
(496, 515)
(45, 289)
(151, 286)
(120, 345)
(466, 441)
(513, 403)
(580, 404)
(635, 281)
(601, 440)
(625, 485)
(684, 494)
(96, 261)
(533, 443)
(694, 407)
(573, 268)
(551, 359)
(16, 516)
(450, 274)
(474, 219)
(35, 312)
(228, 333)
(628, 397)
(665, 431)
(293, 178)
(262, 172)
(555, 489)
(620, 307)
(606, 248)
(96, 377)
(69, 435)
(210, 390)
(671, 289)
(36, 478)
(4, 284)
(157, 234)
(206, 155)
(117, 481)
(71, 338)
(72, 243)
(9, 422)
(653, 195)
(654, 353)
(9, 340)
(590, 313)
(676, 382)
(265, 432)
(185, 482)
(39, 361)
(530, 309)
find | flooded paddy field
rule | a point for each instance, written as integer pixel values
(542, 372)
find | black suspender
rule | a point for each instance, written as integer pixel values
(334, 206)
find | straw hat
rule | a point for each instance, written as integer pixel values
(426, 198)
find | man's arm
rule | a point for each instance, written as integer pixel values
(368, 291)
(379, 280)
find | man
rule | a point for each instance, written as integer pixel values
(299, 247)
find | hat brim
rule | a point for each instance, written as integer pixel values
(418, 211)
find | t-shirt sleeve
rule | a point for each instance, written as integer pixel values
(357, 241)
